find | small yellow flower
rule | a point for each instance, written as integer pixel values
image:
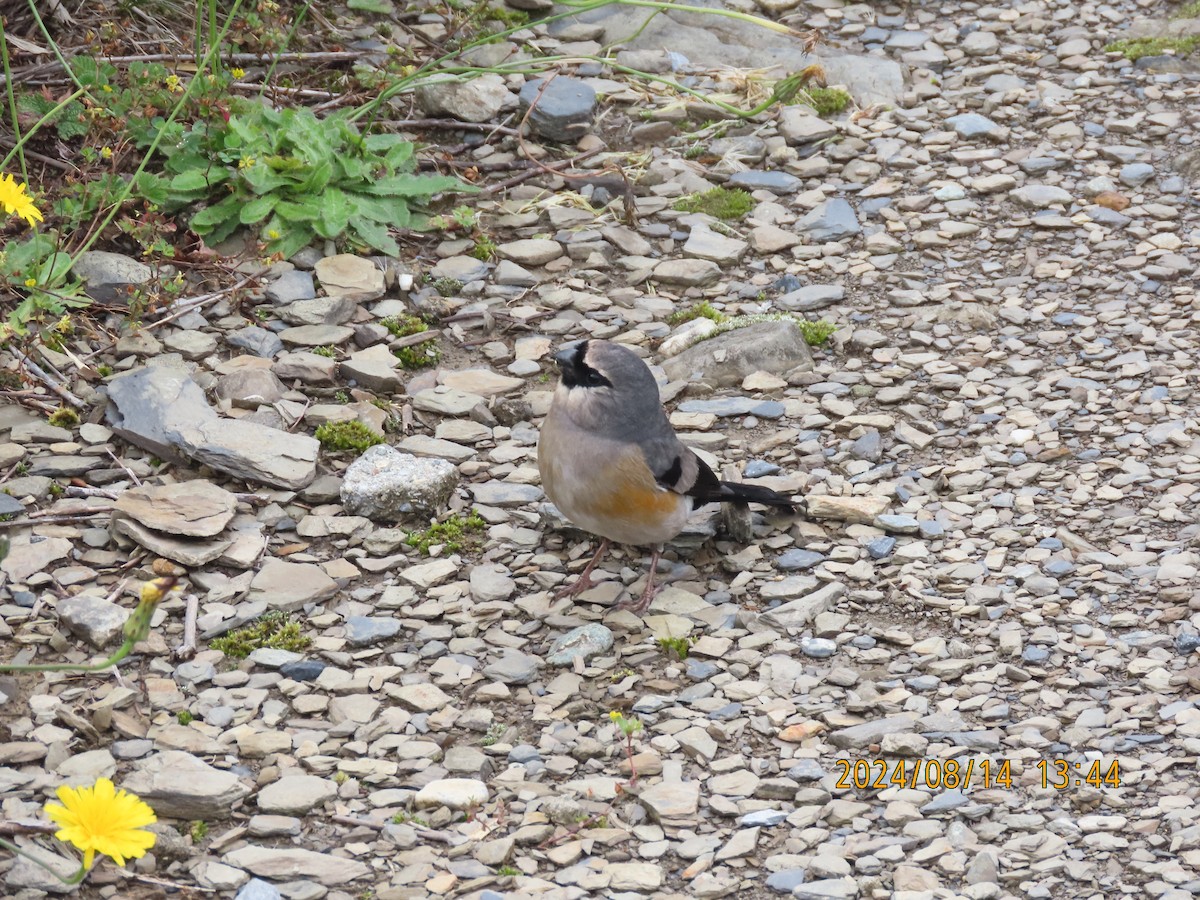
(106, 152)
(246, 162)
(137, 626)
(614, 715)
(273, 234)
(101, 819)
(63, 325)
(15, 202)
(174, 85)
(30, 282)
(107, 88)
(238, 73)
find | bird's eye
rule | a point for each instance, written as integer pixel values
(594, 378)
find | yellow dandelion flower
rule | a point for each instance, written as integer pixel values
(101, 819)
(16, 202)
(137, 626)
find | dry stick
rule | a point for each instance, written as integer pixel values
(41, 375)
(193, 304)
(293, 92)
(13, 829)
(61, 520)
(450, 125)
(627, 197)
(82, 509)
(29, 398)
(187, 649)
(128, 471)
(542, 168)
(162, 882)
(76, 491)
(44, 160)
(264, 58)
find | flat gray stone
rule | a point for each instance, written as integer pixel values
(190, 509)
(562, 107)
(723, 361)
(288, 864)
(93, 619)
(830, 221)
(295, 795)
(162, 410)
(290, 586)
(179, 786)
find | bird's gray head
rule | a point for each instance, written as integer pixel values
(605, 385)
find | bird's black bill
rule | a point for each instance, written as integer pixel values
(576, 372)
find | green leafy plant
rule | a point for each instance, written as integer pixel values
(816, 333)
(63, 417)
(338, 437)
(274, 629)
(36, 270)
(340, 778)
(296, 178)
(406, 818)
(720, 203)
(183, 717)
(484, 249)
(327, 352)
(508, 871)
(449, 533)
(826, 101)
(701, 310)
(677, 647)
(414, 356)
(1188, 11)
(1134, 49)
(447, 287)
(198, 831)
(495, 731)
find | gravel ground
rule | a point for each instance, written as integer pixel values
(970, 671)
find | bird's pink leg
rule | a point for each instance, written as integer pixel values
(584, 581)
(643, 602)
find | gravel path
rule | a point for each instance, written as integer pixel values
(970, 672)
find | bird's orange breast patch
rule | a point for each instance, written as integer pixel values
(635, 502)
(630, 492)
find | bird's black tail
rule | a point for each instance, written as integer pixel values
(736, 492)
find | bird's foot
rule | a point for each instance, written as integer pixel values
(639, 606)
(575, 588)
(584, 581)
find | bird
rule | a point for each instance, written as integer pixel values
(613, 465)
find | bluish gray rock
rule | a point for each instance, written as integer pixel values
(160, 409)
(363, 631)
(831, 221)
(973, 125)
(811, 297)
(757, 180)
(562, 107)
